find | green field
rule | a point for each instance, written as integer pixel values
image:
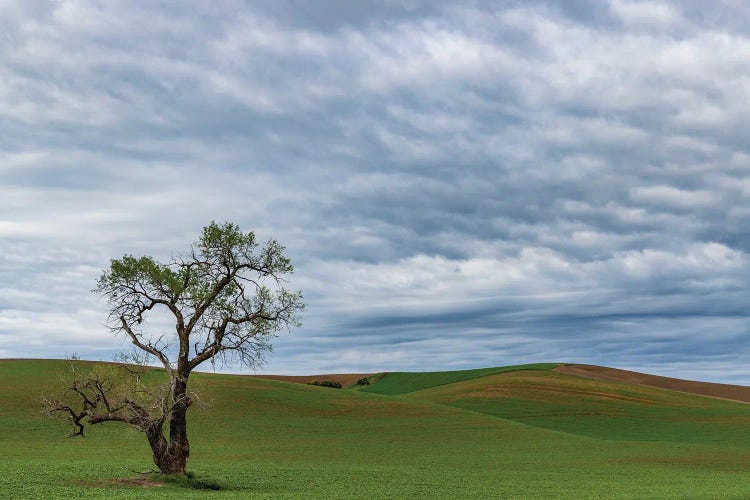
(526, 432)
(395, 383)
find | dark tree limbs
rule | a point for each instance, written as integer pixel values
(227, 299)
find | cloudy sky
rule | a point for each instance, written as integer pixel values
(458, 184)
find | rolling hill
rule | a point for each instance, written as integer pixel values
(531, 431)
(724, 391)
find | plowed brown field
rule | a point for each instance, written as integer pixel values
(723, 391)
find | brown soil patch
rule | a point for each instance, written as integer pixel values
(723, 391)
(141, 482)
(345, 379)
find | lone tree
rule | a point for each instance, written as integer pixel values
(227, 299)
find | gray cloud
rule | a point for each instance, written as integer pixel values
(458, 185)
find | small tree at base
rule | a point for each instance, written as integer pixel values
(227, 299)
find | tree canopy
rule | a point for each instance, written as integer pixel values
(226, 295)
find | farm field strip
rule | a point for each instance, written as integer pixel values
(529, 433)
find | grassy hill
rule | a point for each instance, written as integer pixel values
(505, 433)
(393, 383)
(597, 408)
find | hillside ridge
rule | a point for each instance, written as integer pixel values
(731, 392)
(393, 383)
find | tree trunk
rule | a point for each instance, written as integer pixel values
(178, 450)
(171, 456)
(160, 448)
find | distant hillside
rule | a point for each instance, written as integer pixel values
(604, 409)
(393, 383)
(724, 391)
(345, 379)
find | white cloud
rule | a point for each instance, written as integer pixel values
(672, 196)
(643, 13)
